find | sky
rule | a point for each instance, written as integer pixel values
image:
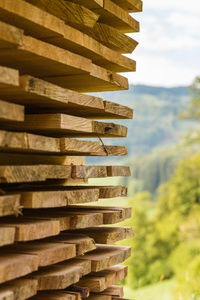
(168, 53)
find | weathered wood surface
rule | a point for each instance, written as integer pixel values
(83, 243)
(16, 265)
(41, 96)
(29, 159)
(99, 297)
(99, 171)
(62, 275)
(54, 295)
(111, 14)
(48, 253)
(98, 80)
(100, 281)
(106, 256)
(71, 13)
(9, 205)
(112, 38)
(31, 173)
(10, 37)
(115, 291)
(111, 215)
(8, 77)
(130, 5)
(112, 191)
(42, 25)
(46, 199)
(106, 235)
(67, 125)
(11, 112)
(27, 229)
(31, 56)
(68, 219)
(7, 235)
(20, 289)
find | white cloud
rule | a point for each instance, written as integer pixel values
(168, 53)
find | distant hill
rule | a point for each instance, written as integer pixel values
(155, 122)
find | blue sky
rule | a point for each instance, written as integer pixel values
(169, 50)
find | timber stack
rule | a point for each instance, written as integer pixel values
(55, 243)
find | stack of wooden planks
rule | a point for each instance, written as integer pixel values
(56, 242)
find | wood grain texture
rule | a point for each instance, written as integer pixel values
(20, 289)
(17, 174)
(7, 236)
(48, 253)
(71, 13)
(8, 77)
(130, 5)
(27, 229)
(11, 112)
(14, 266)
(62, 275)
(112, 38)
(106, 235)
(42, 25)
(83, 243)
(106, 256)
(9, 205)
(40, 96)
(115, 291)
(99, 281)
(67, 125)
(111, 14)
(54, 295)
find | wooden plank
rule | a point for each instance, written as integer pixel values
(8, 77)
(11, 112)
(48, 253)
(41, 96)
(54, 295)
(90, 148)
(115, 291)
(25, 142)
(59, 198)
(87, 46)
(106, 256)
(111, 215)
(6, 294)
(9, 205)
(10, 37)
(98, 80)
(29, 159)
(68, 219)
(32, 57)
(99, 281)
(106, 235)
(89, 172)
(20, 289)
(16, 265)
(61, 276)
(71, 13)
(112, 14)
(118, 171)
(42, 25)
(7, 236)
(62, 124)
(130, 5)
(83, 243)
(34, 21)
(27, 229)
(17, 174)
(99, 171)
(112, 191)
(99, 297)
(112, 38)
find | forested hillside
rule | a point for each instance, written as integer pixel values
(155, 122)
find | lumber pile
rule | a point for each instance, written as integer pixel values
(56, 242)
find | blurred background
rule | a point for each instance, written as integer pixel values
(164, 153)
